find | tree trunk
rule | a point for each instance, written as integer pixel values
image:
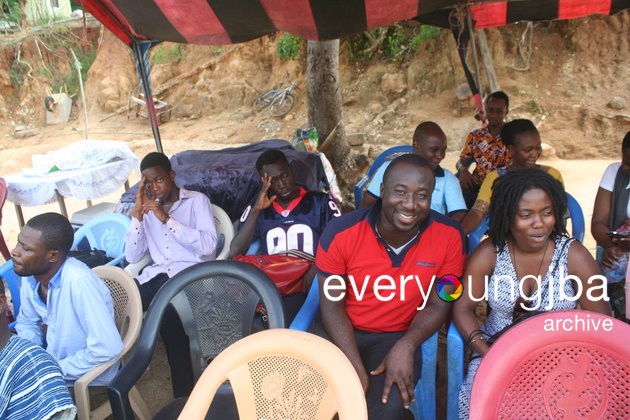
(23, 21)
(324, 113)
(324, 98)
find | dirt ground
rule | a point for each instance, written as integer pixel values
(575, 71)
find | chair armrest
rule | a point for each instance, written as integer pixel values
(81, 394)
(118, 261)
(308, 311)
(455, 369)
(134, 269)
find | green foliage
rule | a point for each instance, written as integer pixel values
(11, 11)
(70, 82)
(288, 47)
(396, 41)
(17, 72)
(394, 44)
(425, 33)
(165, 54)
(217, 50)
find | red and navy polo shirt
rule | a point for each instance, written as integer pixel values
(351, 248)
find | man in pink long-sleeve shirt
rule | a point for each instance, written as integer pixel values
(176, 226)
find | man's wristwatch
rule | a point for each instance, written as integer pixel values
(459, 165)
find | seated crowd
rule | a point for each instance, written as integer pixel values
(376, 268)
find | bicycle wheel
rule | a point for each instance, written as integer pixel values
(282, 104)
(263, 100)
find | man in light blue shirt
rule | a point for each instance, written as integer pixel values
(429, 141)
(64, 305)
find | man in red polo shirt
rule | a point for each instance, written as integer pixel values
(378, 269)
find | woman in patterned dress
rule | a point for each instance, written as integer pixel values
(522, 264)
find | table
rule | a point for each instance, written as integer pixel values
(85, 170)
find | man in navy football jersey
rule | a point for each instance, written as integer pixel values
(285, 216)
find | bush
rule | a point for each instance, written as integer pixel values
(394, 41)
(165, 54)
(11, 11)
(288, 47)
(69, 83)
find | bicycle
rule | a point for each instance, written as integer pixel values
(280, 101)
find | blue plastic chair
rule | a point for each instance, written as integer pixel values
(14, 282)
(454, 340)
(424, 406)
(106, 232)
(380, 159)
(577, 218)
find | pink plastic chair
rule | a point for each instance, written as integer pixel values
(577, 370)
(4, 250)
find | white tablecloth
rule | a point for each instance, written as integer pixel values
(94, 168)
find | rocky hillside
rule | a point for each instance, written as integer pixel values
(576, 87)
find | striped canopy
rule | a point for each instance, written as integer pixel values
(232, 21)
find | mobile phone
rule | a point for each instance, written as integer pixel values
(619, 234)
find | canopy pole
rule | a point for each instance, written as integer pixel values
(473, 46)
(148, 96)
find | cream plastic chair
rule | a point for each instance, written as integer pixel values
(128, 313)
(224, 227)
(225, 234)
(281, 373)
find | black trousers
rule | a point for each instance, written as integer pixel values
(373, 347)
(175, 339)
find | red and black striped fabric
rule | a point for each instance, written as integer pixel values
(231, 21)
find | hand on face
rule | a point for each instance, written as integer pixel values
(264, 201)
(141, 198)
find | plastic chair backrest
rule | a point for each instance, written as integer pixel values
(106, 232)
(225, 232)
(216, 301)
(128, 318)
(380, 159)
(4, 250)
(562, 364)
(304, 374)
(475, 237)
(577, 218)
(14, 282)
(425, 405)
